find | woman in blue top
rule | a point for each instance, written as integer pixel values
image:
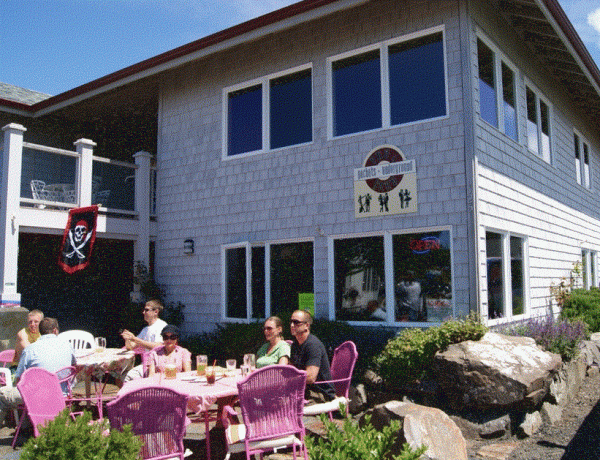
(276, 350)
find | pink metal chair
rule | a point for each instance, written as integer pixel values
(271, 400)
(342, 367)
(6, 357)
(42, 397)
(157, 416)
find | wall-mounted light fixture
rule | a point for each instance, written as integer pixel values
(188, 246)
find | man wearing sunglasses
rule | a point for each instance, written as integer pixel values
(148, 338)
(309, 354)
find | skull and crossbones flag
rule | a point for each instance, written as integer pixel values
(78, 239)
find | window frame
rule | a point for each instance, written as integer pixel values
(581, 146)
(589, 268)
(506, 277)
(389, 281)
(539, 100)
(267, 276)
(264, 82)
(383, 48)
(499, 59)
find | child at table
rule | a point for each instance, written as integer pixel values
(169, 353)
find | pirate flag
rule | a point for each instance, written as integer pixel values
(78, 239)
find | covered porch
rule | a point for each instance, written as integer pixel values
(40, 184)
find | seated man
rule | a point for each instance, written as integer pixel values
(148, 338)
(27, 335)
(309, 354)
(48, 352)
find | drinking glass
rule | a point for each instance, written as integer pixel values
(231, 365)
(100, 344)
(210, 375)
(170, 371)
(245, 370)
(250, 361)
(201, 362)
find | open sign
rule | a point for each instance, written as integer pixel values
(425, 245)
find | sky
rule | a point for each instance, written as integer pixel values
(52, 46)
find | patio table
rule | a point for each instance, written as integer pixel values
(92, 363)
(62, 192)
(200, 395)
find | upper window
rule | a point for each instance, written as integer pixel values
(538, 125)
(273, 112)
(393, 83)
(497, 91)
(582, 161)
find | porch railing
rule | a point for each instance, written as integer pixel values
(49, 180)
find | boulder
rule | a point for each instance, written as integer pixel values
(498, 371)
(531, 425)
(422, 425)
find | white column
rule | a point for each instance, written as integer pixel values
(83, 185)
(141, 251)
(10, 194)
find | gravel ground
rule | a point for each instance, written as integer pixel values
(575, 437)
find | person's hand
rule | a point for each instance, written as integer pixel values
(127, 335)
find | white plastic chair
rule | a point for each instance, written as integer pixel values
(79, 340)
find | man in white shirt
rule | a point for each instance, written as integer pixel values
(148, 338)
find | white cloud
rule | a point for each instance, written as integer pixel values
(593, 19)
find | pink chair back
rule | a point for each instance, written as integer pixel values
(6, 357)
(342, 367)
(42, 396)
(271, 401)
(157, 416)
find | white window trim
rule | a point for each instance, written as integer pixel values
(267, 264)
(590, 278)
(224, 249)
(388, 257)
(506, 274)
(499, 59)
(539, 97)
(384, 76)
(266, 138)
(586, 177)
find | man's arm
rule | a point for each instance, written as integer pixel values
(21, 343)
(132, 341)
(311, 374)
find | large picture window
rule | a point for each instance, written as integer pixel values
(259, 281)
(269, 113)
(401, 278)
(396, 82)
(505, 262)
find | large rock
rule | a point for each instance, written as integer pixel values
(497, 371)
(422, 425)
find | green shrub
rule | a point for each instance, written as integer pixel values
(408, 356)
(583, 304)
(81, 439)
(351, 442)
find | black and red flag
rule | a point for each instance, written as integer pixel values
(78, 239)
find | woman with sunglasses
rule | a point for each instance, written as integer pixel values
(169, 353)
(276, 350)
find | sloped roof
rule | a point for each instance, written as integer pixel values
(542, 25)
(21, 95)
